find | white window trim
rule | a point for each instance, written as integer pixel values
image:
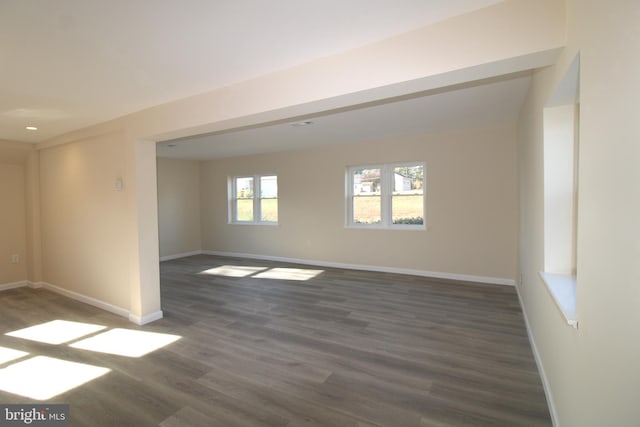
(386, 193)
(561, 144)
(562, 288)
(257, 211)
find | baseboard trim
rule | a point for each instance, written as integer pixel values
(147, 318)
(381, 269)
(181, 255)
(13, 285)
(84, 298)
(543, 375)
(111, 308)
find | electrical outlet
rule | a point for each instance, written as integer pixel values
(15, 259)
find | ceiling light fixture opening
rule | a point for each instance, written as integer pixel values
(31, 128)
(171, 145)
(304, 123)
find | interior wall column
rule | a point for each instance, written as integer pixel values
(140, 183)
(32, 208)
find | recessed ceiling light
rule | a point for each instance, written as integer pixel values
(31, 128)
(171, 145)
(304, 123)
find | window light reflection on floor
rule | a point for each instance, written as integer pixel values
(9, 354)
(56, 331)
(43, 378)
(126, 342)
(288, 274)
(233, 270)
(263, 272)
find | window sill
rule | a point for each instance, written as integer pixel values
(562, 288)
(386, 227)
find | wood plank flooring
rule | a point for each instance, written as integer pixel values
(343, 348)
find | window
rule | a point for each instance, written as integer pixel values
(386, 196)
(253, 199)
(561, 120)
(560, 188)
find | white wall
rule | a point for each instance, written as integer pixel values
(179, 206)
(13, 239)
(471, 214)
(593, 373)
(85, 246)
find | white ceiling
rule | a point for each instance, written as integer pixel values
(67, 64)
(496, 101)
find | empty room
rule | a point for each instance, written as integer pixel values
(362, 213)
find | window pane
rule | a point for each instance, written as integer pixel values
(366, 196)
(269, 186)
(269, 210)
(269, 198)
(366, 210)
(244, 199)
(244, 210)
(366, 182)
(407, 201)
(244, 187)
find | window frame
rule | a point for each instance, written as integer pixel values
(386, 197)
(561, 163)
(232, 202)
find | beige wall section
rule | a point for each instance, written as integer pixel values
(84, 219)
(18, 228)
(507, 37)
(13, 239)
(142, 223)
(34, 240)
(593, 373)
(179, 206)
(471, 205)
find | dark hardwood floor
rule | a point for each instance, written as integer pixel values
(343, 348)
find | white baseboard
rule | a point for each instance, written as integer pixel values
(111, 308)
(182, 255)
(13, 285)
(382, 269)
(147, 318)
(85, 299)
(540, 366)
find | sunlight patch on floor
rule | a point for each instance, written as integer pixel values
(263, 272)
(56, 331)
(43, 378)
(9, 354)
(233, 270)
(125, 342)
(288, 274)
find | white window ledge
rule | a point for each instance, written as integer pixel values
(562, 288)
